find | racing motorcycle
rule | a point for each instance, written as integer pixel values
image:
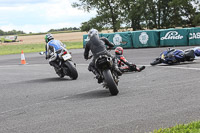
(174, 56)
(110, 79)
(66, 66)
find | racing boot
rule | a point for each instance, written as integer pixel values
(133, 67)
(141, 68)
(98, 77)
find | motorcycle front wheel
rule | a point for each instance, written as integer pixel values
(110, 82)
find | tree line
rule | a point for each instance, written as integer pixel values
(15, 32)
(12, 32)
(140, 14)
(64, 29)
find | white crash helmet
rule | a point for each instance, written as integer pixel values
(93, 32)
(48, 37)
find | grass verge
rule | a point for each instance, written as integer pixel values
(30, 48)
(193, 127)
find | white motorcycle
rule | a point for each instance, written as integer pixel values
(66, 66)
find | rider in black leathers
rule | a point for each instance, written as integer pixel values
(98, 47)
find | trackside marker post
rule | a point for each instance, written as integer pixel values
(23, 61)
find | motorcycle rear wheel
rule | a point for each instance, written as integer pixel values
(110, 82)
(73, 74)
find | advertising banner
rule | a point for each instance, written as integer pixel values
(85, 40)
(174, 37)
(145, 39)
(194, 36)
(122, 39)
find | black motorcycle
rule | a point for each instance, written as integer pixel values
(66, 66)
(104, 65)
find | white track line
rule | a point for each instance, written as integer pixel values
(174, 67)
(26, 65)
(29, 65)
(185, 68)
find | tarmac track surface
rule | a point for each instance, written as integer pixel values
(33, 99)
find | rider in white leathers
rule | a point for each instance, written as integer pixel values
(53, 48)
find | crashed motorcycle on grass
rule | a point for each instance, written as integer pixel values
(104, 65)
(174, 56)
(66, 66)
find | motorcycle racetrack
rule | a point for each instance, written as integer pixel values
(33, 99)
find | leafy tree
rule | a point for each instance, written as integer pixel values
(107, 10)
(1, 32)
(139, 14)
(132, 11)
(196, 20)
(182, 12)
(13, 32)
(85, 26)
(96, 23)
(151, 13)
(64, 29)
(164, 11)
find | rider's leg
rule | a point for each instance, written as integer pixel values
(92, 68)
(124, 69)
(54, 64)
(116, 68)
(133, 67)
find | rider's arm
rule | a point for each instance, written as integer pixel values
(50, 50)
(63, 45)
(47, 51)
(86, 52)
(107, 42)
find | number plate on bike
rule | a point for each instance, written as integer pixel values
(66, 57)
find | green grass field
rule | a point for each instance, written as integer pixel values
(30, 48)
(193, 127)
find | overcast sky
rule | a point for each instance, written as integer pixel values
(40, 15)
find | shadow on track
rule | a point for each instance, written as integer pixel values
(177, 64)
(47, 80)
(94, 94)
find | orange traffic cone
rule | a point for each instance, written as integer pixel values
(23, 61)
